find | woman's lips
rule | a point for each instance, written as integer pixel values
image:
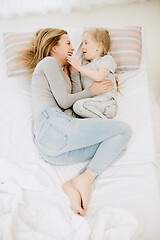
(70, 53)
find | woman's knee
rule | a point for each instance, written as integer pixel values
(127, 131)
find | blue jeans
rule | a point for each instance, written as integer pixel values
(62, 140)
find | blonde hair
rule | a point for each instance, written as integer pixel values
(40, 47)
(101, 35)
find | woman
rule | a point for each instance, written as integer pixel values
(61, 139)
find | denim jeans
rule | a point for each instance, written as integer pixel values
(62, 140)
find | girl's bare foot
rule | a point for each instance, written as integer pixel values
(75, 197)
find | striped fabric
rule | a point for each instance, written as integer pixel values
(126, 49)
(14, 42)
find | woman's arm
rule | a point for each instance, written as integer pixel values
(97, 76)
(76, 82)
(74, 78)
(59, 85)
(96, 88)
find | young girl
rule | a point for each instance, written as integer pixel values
(60, 139)
(99, 66)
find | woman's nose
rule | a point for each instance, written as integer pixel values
(72, 48)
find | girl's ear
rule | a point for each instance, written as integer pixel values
(99, 46)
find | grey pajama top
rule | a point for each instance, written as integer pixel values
(50, 87)
(107, 62)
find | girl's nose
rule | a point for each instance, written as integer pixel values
(83, 44)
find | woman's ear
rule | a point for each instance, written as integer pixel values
(53, 49)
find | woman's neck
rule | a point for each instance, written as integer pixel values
(61, 61)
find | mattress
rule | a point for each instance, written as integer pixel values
(125, 199)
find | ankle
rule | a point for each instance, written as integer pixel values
(89, 175)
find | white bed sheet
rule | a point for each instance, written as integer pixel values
(125, 201)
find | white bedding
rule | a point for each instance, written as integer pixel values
(125, 201)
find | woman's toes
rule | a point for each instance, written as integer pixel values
(81, 212)
(75, 198)
(84, 204)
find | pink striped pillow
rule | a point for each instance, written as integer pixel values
(14, 42)
(126, 49)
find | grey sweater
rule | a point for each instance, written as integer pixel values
(50, 87)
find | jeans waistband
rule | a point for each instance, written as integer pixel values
(51, 110)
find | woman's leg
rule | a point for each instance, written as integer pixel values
(83, 182)
(78, 190)
(102, 154)
(72, 141)
(101, 140)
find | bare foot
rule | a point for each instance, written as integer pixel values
(84, 188)
(75, 197)
(83, 183)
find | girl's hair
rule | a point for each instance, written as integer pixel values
(40, 47)
(101, 35)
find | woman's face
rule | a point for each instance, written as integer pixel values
(90, 47)
(63, 49)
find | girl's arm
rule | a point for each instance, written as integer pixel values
(97, 76)
(59, 86)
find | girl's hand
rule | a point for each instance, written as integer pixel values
(104, 86)
(74, 62)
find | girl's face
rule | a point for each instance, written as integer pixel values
(91, 49)
(63, 49)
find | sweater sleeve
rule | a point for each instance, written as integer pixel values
(76, 82)
(59, 84)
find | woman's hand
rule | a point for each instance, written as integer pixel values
(74, 62)
(72, 69)
(104, 86)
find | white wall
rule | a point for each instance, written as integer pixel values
(146, 15)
